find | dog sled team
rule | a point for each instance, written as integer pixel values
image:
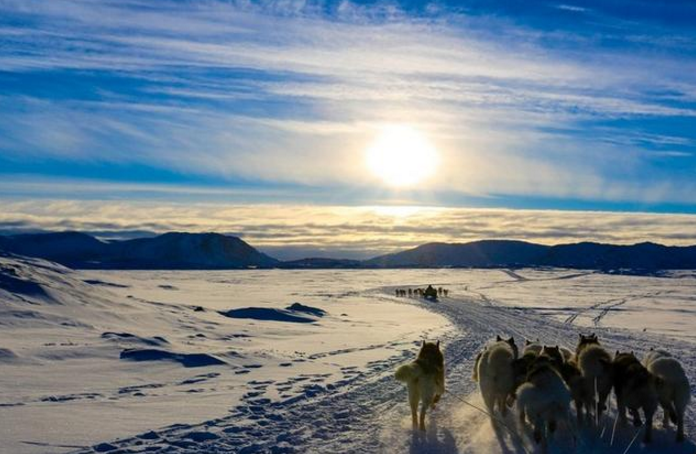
(429, 292)
(540, 382)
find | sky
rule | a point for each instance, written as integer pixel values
(552, 121)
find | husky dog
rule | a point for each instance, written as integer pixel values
(567, 354)
(495, 373)
(635, 389)
(510, 341)
(553, 354)
(531, 347)
(425, 378)
(595, 365)
(562, 362)
(654, 354)
(531, 354)
(523, 364)
(673, 389)
(573, 378)
(543, 399)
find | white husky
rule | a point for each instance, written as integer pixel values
(532, 347)
(543, 399)
(673, 390)
(567, 354)
(595, 365)
(495, 373)
(425, 378)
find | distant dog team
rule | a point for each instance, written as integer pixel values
(543, 380)
(422, 292)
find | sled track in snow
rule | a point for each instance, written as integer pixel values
(605, 307)
(366, 413)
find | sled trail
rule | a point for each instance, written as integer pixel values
(368, 412)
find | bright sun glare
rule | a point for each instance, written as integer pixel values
(402, 156)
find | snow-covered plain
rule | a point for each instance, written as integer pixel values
(296, 380)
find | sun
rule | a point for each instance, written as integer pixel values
(402, 156)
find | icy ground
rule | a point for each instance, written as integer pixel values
(286, 380)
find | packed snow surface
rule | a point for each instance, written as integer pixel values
(216, 361)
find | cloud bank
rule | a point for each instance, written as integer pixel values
(296, 231)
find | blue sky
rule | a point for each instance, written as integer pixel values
(532, 105)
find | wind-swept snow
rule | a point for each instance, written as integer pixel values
(325, 386)
(88, 357)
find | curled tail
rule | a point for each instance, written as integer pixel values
(408, 372)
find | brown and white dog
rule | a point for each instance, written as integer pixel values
(425, 378)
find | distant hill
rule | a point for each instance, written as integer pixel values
(68, 248)
(475, 254)
(168, 251)
(505, 253)
(216, 251)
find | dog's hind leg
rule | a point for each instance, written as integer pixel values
(621, 408)
(413, 398)
(680, 427)
(538, 429)
(578, 410)
(670, 413)
(666, 416)
(488, 400)
(680, 408)
(502, 404)
(649, 411)
(602, 402)
(421, 424)
(426, 401)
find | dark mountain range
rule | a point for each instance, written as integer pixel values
(168, 251)
(67, 248)
(475, 254)
(216, 251)
(504, 253)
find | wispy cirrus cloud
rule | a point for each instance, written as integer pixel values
(292, 92)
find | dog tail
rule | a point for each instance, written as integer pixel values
(474, 374)
(407, 372)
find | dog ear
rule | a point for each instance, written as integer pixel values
(498, 338)
(438, 344)
(527, 342)
(511, 341)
